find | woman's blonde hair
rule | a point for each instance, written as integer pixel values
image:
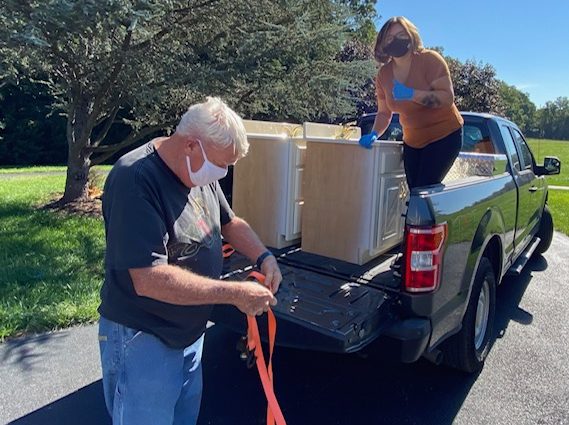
(416, 42)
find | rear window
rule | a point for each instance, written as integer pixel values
(393, 132)
(366, 124)
(476, 136)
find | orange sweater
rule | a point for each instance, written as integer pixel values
(421, 125)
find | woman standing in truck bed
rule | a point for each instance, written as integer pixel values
(416, 83)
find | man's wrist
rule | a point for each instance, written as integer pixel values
(262, 258)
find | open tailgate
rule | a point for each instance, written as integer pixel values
(323, 304)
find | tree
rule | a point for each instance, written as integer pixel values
(31, 132)
(553, 119)
(359, 49)
(94, 54)
(476, 87)
(142, 62)
(362, 18)
(364, 94)
(518, 107)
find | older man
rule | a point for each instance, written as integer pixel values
(164, 216)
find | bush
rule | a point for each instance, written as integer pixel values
(29, 132)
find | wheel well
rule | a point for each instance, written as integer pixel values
(493, 252)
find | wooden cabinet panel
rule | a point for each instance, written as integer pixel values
(352, 211)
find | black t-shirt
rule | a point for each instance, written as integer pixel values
(152, 218)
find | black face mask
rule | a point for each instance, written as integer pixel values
(398, 47)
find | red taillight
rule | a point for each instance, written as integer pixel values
(423, 257)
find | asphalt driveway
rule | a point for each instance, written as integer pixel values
(55, 378)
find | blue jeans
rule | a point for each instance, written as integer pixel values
(147, 382)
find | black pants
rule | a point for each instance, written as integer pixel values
(430, 164)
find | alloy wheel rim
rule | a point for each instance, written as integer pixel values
(482, 313)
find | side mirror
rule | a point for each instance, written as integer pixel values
(551, 165)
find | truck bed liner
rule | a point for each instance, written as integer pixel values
(321, 306)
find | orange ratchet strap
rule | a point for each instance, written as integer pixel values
(227, 250)
(274, 414)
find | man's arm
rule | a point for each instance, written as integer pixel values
(174, 285)
(240, 235)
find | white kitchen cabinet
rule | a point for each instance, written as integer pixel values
(267, 183)
(353, 198)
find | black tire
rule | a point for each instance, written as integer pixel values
(467, 351)
(545, 232)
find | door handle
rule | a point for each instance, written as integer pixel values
(533, 189)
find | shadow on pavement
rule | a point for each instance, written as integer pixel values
(316, 388)
(85, 407)
(510, 294)
(327, 388)
(27, 352)
(347, 389)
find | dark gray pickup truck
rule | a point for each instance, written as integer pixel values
(461, 238)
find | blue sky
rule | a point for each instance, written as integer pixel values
(527, 42)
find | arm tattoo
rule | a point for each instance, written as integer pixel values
(431, 101)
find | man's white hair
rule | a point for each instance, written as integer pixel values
(216, 123)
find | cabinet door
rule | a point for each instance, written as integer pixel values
(295, 198)
(391, 204)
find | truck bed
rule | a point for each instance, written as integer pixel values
(323, 304)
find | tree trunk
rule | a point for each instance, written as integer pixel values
(79, 128)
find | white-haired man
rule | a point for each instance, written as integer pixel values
(164, 216)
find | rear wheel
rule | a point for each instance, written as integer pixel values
(545, 232)
(468, 349)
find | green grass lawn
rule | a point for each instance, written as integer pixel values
(559, 204)
(8, 169)
(559, 148)
(51, 265)
(43, 168)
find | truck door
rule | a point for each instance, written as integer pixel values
(537, 187)
(523, 178)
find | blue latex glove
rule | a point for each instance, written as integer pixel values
(402, 92)
(367, 139)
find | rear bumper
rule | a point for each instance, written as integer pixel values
(320, 312)
(300, 335)
(412, 337)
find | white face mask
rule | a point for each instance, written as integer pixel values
(208, 173)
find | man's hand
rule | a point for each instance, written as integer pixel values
(254, 299)
(367, 139)
(272, 272)
(402, 92)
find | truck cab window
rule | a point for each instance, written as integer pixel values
(393, 132)
(476, 138)
(510, 147)
(527, 158)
